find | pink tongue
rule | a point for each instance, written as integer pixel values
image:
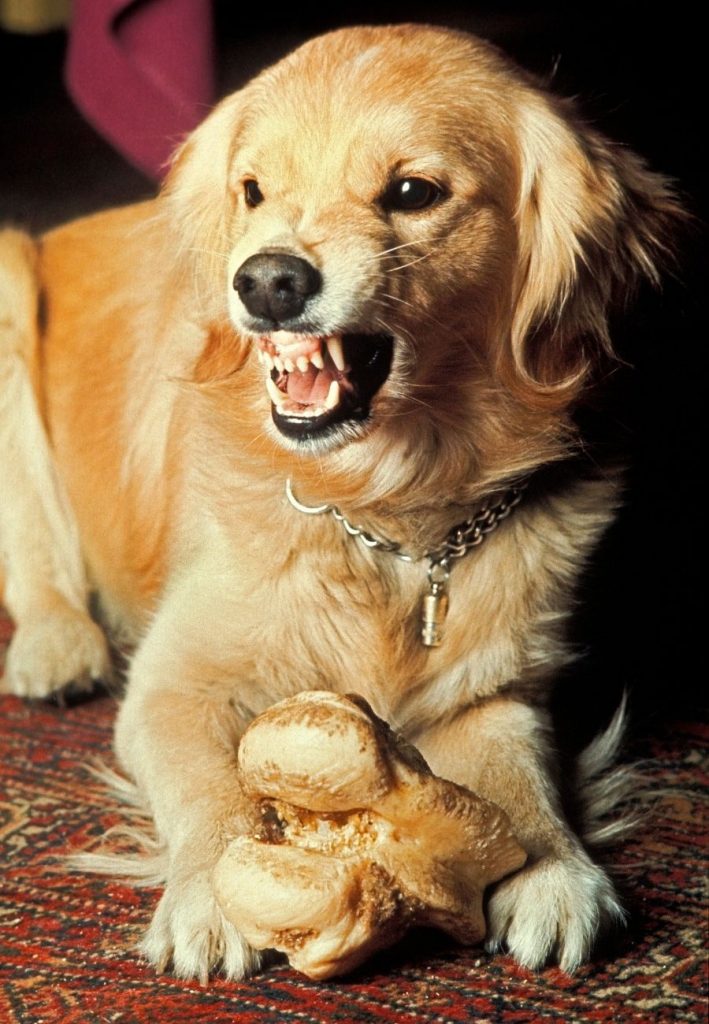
(310, 387)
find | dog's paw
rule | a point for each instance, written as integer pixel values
(190, 932)
(50, 653)
(552, 910)
(358, 841)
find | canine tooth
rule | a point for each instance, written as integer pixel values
(333, 396)
(289, 365)
(261, 356)
(302, 363)
(274, 393)
(268, 359)
(334, 347)
(317, 360)
(278, 363)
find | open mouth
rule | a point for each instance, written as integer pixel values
(318, 381)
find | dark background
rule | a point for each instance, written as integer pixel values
(636, 76)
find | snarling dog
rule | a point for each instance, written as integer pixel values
(271, 419)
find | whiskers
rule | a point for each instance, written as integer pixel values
(411, 263)
(396, 248)
(214, 254)
(394, 253)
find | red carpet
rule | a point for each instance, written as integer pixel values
(66, 941)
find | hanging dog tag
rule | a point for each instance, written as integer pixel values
(433, 612)
(435, 604)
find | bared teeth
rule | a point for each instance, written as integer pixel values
(280, 353)
(286, 354)
(333, 396)
(274, 393)
(334, 347)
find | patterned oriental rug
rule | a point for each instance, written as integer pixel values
(67, 940)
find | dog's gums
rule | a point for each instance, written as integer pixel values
(315, 382)
(144, 478)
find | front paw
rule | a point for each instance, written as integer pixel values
(190, 932)
(48, 653)
(553, 909)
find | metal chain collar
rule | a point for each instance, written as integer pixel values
(459, 541)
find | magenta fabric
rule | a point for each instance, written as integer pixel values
(142, 73)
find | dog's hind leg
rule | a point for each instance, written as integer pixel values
(42, 578)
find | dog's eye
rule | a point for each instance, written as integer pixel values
(411, 194)
(252, 193)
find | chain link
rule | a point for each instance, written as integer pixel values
(473, 531)
(461, 539)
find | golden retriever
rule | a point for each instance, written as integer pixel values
(380, 272)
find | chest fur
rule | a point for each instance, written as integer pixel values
(302, 605)
(336, 616)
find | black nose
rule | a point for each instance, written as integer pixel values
(275, 286)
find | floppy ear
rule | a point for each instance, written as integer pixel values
(591, 220)
(197, 197)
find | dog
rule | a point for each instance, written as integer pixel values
(278, 418)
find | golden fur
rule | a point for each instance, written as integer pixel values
(144, 465)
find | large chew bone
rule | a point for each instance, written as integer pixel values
(358, 842)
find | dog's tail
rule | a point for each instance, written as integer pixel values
(609, 794)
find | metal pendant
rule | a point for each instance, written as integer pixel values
(435, 604)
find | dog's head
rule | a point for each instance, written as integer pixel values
(422, 246)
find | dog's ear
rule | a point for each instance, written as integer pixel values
(197, 198)
(591, 219)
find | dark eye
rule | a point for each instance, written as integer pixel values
(411, 194)
(252, 193)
